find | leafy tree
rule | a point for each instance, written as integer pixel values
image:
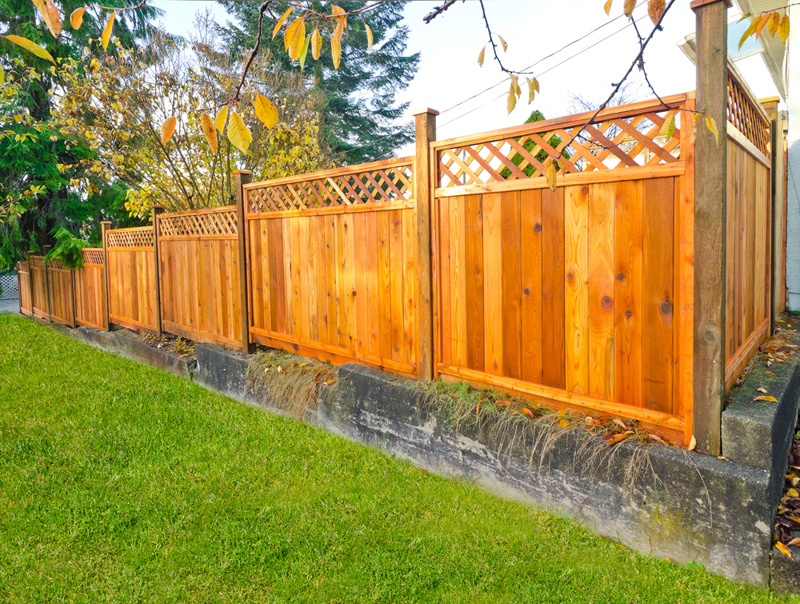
(360, 112)
(37, 194)
(542, 155)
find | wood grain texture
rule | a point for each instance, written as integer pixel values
(576, 264)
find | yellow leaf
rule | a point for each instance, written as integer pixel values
(304, 52)
(783, 28)
(655, 8)
(265, 110)
(536, 84)
(629, 6)
(551, 170)
(296, 47)
(607, 7)
(50, 15)
(30, 47)
(528, 412)
(503, 42)
(330, 381)
(341, 20)
(280, 21)
(564, 423)
(783, 549)
(668, 129)
(531, 91)
(370, 39)
(167, 129)
(692, 443)
(106, 37)
(770, 399)
(772, 24)
(512, 99)
(748, 32)
(316, 44)
(696, 118)
(210, 131)
(712, 127)
(76, 18)
(515, 85)
(238, 133)
(761, 24)
(482, 55)
(793, 493)
(221, 119)
(336, 51)
(291, 31)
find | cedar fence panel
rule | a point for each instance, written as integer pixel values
(90, 290)
(132, 278)
(199, 272)
(39, 279)
(60, 288)
(332, 265)
(574, 297)
(748, 236)
(24, 275)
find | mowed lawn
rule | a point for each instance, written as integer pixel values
(120, 483)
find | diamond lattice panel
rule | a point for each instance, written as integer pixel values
(217, 223)
(138, 237)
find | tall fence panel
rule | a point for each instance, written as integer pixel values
(24, 287)
(332, 265)
(39, 278)
(132, 300)
(199, 272)
(573, 295)
(90, 290)
(60, 289)
(748, 229)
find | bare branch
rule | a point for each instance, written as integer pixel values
(438, 10)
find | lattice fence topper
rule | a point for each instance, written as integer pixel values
(93, 255)
(746, 117)
(137, 237)
(36, 261)
(56, 265)
(620, 142)
(208, 223)
(378, 186)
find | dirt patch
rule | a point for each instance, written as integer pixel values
(175, 344)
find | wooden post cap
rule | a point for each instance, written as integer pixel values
(422, 110)
(695, 4)
(105, 222)
(250, 172)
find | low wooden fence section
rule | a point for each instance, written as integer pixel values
(332, 264)
(575, 296)
(90, 290)
(131, 273)
(60, 288)
(748, 229)
(38, 276)
(199, 272)
(24, 273)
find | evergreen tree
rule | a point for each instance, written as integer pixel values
(360, 110)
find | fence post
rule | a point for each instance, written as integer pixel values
(30, 279)
(47, 249)
(425, 125)
(105, 224)
(157, 211)
(73, 314)
(243, 177)
(710, 209)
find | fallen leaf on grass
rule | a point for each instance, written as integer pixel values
(281, 370)
(502, 403)
(478, 409)
(620, 423)
(794, 542)
(657, 438)
(564, 423)
(771, 399)
(618, 438)
(792, 493)
(528, 412)
(692, 443)
(762, 390)
(594, 422)
(330, 381)
(770, 373)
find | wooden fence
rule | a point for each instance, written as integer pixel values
(579, 297)
(131, 278)
(332, 264)
(61, 293)
(90, 290)
(571, 296)
(748, 229)
(24, 273)
(199, 275)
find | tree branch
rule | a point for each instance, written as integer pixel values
(438, 10)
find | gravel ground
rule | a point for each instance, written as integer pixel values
(9, 305)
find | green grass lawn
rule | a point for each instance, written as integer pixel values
(120, 483)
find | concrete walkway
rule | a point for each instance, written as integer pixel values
(9, 305)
